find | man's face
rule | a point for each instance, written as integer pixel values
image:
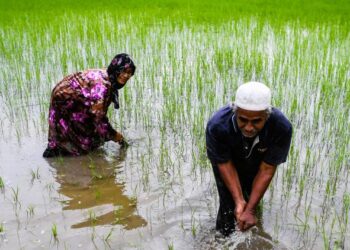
(250, 122)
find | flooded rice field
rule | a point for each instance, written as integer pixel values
(160, 193)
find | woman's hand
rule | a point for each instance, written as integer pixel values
(119, 138)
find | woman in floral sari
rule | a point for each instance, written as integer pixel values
(78, 108)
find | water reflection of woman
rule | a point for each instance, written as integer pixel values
(79, 103)
(89, 183)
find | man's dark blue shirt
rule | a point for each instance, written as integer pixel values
(225, 142)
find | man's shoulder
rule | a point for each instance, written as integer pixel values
(220, 120)
(280, 121)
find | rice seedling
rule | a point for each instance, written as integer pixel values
(94, 173)
(2, 184)
(97, 194)
(93, 236)
(92, 217)
(30, 211)
(193, 224)
(2, 229)
(171, 246)
(35, 174)
(118, 215)
(189, 65)
(108, 236)
(132, 201)
(346, 207)
(54, 232)
(15, 198)
(50, 187)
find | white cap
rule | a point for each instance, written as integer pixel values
(254, 96)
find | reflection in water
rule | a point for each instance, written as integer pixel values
(90, 181)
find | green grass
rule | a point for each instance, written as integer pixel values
(2, 184)
(190, 58)
(54, 231)
(314, 11)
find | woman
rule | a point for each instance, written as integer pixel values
(78, 108)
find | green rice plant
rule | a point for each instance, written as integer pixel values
(346, 208)
(15, 198)
(193, 228)
(145, 170)
(193, 224)
(133, 201)
(59, 159)
(92, 217)
(50, 187)
(342, 227)
(93, 236)
(92, 167)
(97, 194)
(54, 232)
(2, 229)
(2, 184)
(118, 213)
(190, 68)
(171, 246)
(30, 211)
(304, 223)
(108, 236)
(35, 174)
(95, 174)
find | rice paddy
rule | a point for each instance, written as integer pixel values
(160, 193)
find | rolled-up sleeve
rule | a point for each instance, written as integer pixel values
(278, 150)
(111, 132)
(218, 150)
(101, 121)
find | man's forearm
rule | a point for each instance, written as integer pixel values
(261, 182)
(230, 177)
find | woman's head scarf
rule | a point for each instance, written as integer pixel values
(119, 63)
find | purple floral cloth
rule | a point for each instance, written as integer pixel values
(77, 115)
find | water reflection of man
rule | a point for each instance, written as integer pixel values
(245, 143)
(90, 181)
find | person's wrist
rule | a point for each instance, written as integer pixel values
(240, 202)
(250, 209)
(118, 137)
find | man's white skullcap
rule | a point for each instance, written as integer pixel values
(254, 96)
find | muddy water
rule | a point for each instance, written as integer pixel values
(114, 198)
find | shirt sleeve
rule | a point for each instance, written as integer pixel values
(96, 97)
(218, 150)
(278, 150)
(111, 132)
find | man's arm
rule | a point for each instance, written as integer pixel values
(229, 175)
(261, 182)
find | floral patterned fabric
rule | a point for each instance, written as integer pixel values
(77, 115)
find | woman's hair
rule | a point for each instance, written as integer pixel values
(120, 63)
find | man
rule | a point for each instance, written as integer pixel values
(245, 143)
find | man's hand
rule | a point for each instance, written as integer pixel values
(260, 184)
(247, 220)
(240, 206)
